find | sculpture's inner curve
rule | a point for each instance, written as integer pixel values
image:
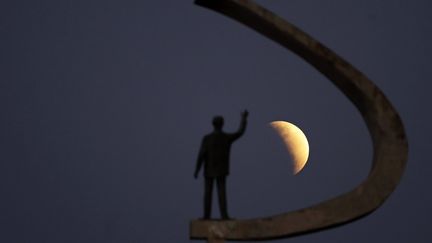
(386, 129)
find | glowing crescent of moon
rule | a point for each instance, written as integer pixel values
(390, 146)
(295, 142)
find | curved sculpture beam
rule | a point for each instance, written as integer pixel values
(390, 147)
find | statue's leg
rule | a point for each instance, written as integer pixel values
(208, 192)
(222, 197)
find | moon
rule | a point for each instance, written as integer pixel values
(295, 142)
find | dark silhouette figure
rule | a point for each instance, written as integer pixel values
(214, 153)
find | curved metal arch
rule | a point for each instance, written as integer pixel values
(390, 146)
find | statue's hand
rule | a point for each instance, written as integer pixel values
(245, 114)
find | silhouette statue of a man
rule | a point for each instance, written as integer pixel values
(214, 153)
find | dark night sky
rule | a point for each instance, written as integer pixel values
(104, 104)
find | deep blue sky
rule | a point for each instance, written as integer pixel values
(104, 104)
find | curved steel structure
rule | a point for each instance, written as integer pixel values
(390, 146)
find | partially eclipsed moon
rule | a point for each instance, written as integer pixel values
(295, 142)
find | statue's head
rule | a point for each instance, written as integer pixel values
(218, 122)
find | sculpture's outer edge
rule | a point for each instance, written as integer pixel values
(390, 146)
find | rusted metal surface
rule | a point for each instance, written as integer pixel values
(390, 146)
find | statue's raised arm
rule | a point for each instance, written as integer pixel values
(243, 125)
